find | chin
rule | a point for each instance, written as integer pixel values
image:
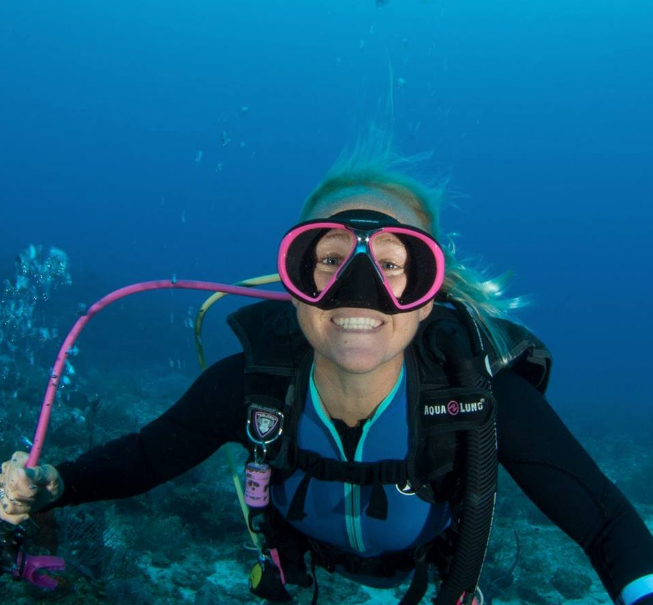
(357, 362)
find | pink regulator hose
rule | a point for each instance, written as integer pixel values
(69, 342)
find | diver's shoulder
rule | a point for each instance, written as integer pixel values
(230, 365)
(270, 335)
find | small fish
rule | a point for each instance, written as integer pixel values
(25, 441)
(224, 138)
(199, 156)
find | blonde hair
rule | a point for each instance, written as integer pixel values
(371, 165)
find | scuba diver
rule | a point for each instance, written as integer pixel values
(376, 407)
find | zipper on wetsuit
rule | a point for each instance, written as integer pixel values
(350, 508)
(352, 493)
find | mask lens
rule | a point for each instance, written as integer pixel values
(333, 248)
(391, 258)
(314, 256)
(408, 263)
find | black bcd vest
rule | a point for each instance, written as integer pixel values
(450, 406)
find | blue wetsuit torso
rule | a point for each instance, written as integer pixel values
(335, 512)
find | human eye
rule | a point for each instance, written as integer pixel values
(391, 268)
(328, 264)
(330, 260)
(332, 250)
(390, 254)
(390, 265)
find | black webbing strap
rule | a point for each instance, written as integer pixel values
(386, 472)
(383, 566)
(378, 505)
(376, 474)
(296, 509)
(316, 588)
(420, 581)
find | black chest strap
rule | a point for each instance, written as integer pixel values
(376, 474)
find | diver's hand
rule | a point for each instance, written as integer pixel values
(26, 490)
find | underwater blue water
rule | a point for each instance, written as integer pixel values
(111, 148)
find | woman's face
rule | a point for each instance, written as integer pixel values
(337, 334)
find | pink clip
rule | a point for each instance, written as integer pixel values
(30, 568)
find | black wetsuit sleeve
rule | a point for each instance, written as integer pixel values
(560, 477)
(208, 415)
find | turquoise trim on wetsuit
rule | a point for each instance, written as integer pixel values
(335, 513)
(636, 590)
(352, 492)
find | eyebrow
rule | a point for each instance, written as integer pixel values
(337, 234)
(390, 238)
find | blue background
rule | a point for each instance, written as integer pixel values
(540, 114)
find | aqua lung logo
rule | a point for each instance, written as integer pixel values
(265, 423)
(453, 408)
(406, 489)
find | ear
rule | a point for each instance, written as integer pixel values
(425, 311)
(294, 301)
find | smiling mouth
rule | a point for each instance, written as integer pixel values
(359, 324)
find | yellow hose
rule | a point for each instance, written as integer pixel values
(208, 303)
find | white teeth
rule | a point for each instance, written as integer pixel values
(357, 323)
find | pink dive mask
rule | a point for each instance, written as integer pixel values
(361, 259)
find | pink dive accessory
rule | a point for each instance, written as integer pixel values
(297, 263)
(31, 568)
(257, 484)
